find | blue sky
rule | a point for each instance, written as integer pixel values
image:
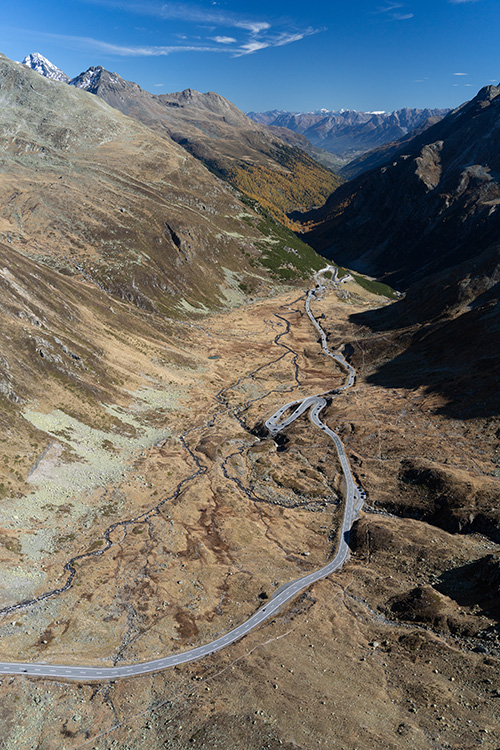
(299, 56)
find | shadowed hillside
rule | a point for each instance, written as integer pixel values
(444, 335)
(433, 205)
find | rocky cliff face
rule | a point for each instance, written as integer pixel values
(434, 205)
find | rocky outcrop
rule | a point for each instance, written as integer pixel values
(425, 605)
(444, 497)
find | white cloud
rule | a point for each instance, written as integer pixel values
(289, 38)
(460, 74)
(86, 42)
(255, 27)
(459, 2)
(274, 40)
(188, 12)
(224, 39)
(244, 48)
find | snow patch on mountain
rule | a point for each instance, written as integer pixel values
(38, 62)
(95, 76)
(87, 79)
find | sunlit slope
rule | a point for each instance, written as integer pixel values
(111, 235)
(281, 177)
(91, 192)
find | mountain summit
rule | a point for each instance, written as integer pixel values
(38, 62)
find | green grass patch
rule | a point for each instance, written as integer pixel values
(375, 287)
(286, 256)
(95, 545)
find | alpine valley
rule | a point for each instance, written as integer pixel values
(225, 367)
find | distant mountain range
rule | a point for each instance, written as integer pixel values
(253, 157)
(378, 156)
(349, 133)
(278, 175)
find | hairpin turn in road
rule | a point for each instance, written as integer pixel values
(353, 503)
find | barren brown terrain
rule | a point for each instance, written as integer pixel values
(186, 520)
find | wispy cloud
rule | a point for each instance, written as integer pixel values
(460, 74)
(251, 46)
(224, 45)
(395, 11)
(255, 27)
(249, 34)
(459, 2)
(190, 13)
(275, 40)
(89, 43)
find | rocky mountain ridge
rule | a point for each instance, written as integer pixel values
(349, 133)
(278, 175)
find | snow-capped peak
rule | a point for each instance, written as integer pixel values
(38, 62)
(87, 79)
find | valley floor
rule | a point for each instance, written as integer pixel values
(398, 650)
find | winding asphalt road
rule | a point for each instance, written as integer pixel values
(353, 503)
